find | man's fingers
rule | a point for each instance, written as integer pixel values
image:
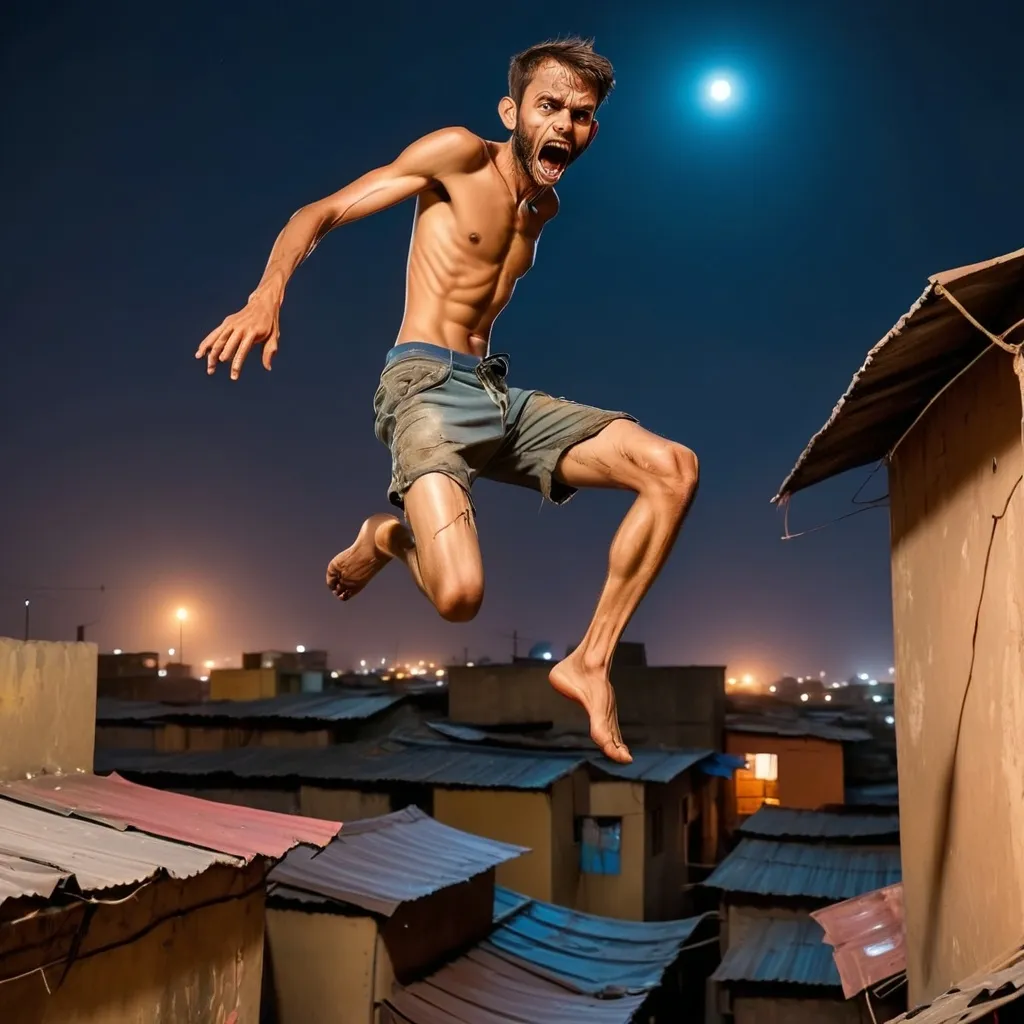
(208, 342)
(244, 344)
(269, 351)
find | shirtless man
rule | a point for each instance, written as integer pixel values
(444, 408)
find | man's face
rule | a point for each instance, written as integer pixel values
(554, 122)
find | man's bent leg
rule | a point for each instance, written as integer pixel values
(664, 476)
(441, 550)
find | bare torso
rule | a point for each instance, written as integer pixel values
(470, 245)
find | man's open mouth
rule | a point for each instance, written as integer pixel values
(553, 159)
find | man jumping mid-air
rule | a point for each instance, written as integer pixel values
(443, 407)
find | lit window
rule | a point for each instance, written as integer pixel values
(600, 845)
(764, 766)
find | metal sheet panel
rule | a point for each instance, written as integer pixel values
(867, 936)
(927, 348)
(96, 856)
(481, 988)
(227, 828)
(652, 765)
(507, 903)
(780, 951)
(784, 822)
(595, 955)
(443, 765)
(768, 725)
(380, 863)
(295, 708)
(819, 871)
(974, 998)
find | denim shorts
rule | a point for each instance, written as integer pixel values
(440, 411)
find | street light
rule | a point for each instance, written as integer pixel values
(182, 615)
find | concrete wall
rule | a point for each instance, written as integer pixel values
(47, 707)
(511, 817)
(810, 770)
(198, 964)
(323, 967)
(619, 895)
(683, 707)
(961, 804)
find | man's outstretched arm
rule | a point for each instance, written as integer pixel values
(449, 151)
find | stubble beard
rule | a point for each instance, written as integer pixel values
(522, 149)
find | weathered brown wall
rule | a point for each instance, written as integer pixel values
(621, 895)
(672, 706)
(323, 966)
(510, 817)
(810, 770)
(242, 683)
(962, 830)
(665, 874)
(47, 707)
(739, 918)
(342, 804)
(283, 801)
(195, 967)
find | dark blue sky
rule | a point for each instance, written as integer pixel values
(722, 278)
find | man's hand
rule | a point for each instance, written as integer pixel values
(258, 323)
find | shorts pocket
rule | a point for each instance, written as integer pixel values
(403, 380)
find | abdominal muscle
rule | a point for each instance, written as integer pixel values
(456, 288)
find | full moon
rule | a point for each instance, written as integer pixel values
(720, 90)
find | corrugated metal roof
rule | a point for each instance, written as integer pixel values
(926, 349)
(815, 871)
(867, 936)
(444, 765)
(653, 765)
(768, 726)
(596, 955)
(482, 988)
(788, 951)
(227, 828)
(973, 998)
(873, 794)
(380, 863)
(507, 902)
(791, 823)
(40, 850)
(307, 708)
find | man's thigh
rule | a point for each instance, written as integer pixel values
(541, 430)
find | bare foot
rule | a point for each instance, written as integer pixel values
(350, 570)
(595, 693)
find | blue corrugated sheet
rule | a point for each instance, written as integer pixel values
(447, 765)
(818, 871)
(778, 725)
(772, 822)
(380, 863)
(595, 955)
(308, 708)
(780, 950)
(873, 794)
(507, 903)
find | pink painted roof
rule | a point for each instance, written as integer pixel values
(226, 828)
(867, 937)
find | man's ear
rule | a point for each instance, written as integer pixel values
(508, 112)
(594, 125)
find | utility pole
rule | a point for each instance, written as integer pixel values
(465, 655)
(26, 619)
(515, 644)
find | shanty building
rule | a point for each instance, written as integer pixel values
(788, 762)
(119, 903)
(775, 965)
(620, 840)
(400, 916)
(289, 720)
(938, 402)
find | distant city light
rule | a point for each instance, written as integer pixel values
(334, 675)
(772, 688)
(208, 664)
(170, 652)
(546, 655)
(803, 696)
(204, 679)
(162, 673)
(821, 674)
(889, 720)
(748, 679)
(469, 664)
(440, 682)
(439, 673)
(731, 681)
(835, 686)
(362, 663)
(117, 650)
(383, 661)
(877, 699)
(862, 676)
(799, 679)
(182, 614)
(872, 682)
(828, 696)
(892, 671)
(300, 649)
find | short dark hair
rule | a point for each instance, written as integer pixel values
(575, 53)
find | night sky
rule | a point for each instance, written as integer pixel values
(721, 277)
